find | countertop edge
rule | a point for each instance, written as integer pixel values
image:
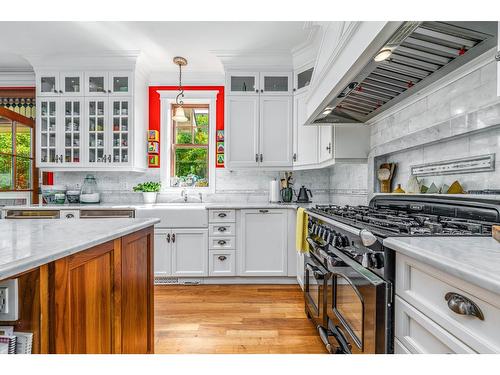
(445, 264)
(31, 263)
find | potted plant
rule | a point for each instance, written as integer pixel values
(149, 190)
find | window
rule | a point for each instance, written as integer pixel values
(190, 147)
(16, 156)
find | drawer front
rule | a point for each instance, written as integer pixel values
(218, 243)
(221, 216)
(222, 229)
(420, 335)
(222, 263)
(425, 288)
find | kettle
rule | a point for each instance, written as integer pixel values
(304, 195)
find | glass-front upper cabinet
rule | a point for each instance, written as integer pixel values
(110, 83)
(96, 83)
(242, 83)
(48, 84)
(97, 131)
(275, 83)
(71, 83)
(72, 130)
(303, 77)
(120, 83)
(120, 115)
(48, 133)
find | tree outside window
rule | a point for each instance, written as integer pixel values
(16, 157)
(190, 148)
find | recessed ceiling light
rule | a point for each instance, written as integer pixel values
(327, 111)
(383, 54)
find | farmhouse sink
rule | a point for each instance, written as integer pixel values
(175, 215)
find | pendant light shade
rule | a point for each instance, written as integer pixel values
(179, 115)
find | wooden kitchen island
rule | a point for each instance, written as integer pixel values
(85, 286)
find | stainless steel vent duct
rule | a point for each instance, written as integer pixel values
(422, 52)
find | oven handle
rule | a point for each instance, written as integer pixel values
(318, 275)
(368, 275)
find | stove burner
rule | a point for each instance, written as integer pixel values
(403, 222)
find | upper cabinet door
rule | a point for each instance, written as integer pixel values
(242, 83)
(49, 132)
(242, 118)
(72, 138)
(96, 83)
(121, 130)
(302, 78)
(305, 137)
(48, 84)
(326, 134)
(120, 83)
(71, 83)
(97, 131)
(275, 131)
(275, 83)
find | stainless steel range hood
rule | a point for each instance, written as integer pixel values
(419, 54)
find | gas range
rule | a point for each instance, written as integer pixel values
(347, 259)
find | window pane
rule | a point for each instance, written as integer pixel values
(5, 136)
(23, 173)
(23, 140)
(5, 172)
(201, 136)
(191, 167)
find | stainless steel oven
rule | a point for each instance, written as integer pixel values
(356, 307)
(315, 287)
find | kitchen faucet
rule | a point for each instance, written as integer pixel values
(184, 195)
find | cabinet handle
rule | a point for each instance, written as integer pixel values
(222, 258)
(55, 91)
(261, 90)
(109, 91)
(62, 158)
(221, 229)
(109, 158)
(294, 157)
(222, 242)
(329, 147)
(168, 237)
(70, 216)
(263, 211)
(222, 214)
(256, 158)
(104, 159)
(261, 158)
(60, 91)
(173, 237)
(462, 305)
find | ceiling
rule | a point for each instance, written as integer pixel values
(158, 42)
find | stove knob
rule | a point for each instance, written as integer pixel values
(366, 260)
(337, 242)
(378, 260)
(344, 241)
(326, 235)
(367, 237)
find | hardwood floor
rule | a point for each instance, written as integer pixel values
(233, 319)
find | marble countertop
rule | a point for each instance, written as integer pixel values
(208, 205)
(27, 244)
(472, 259)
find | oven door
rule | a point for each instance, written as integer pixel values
(315, 285)
(356, 307)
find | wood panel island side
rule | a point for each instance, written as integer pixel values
(89, 292)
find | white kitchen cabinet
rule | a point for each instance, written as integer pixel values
(275, 131)
(242, 131)
(325, 143)
(275, 83)
(263, 243)
(189, 252)
(47, 84)
(48, 129)
(242, 83)
(222, 263)
(305, 138)
(302, 79)
(163, 253)
(99, 83)
(71, 83)
(55, 83)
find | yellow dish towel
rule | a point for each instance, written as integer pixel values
(301, 231)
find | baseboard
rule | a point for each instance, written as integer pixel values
(224, 280)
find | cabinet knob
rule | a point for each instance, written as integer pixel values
(257, 91)
(222, 242)
(261, 90)
(222, 258)
(60, 91)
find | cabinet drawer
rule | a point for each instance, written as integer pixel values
(221, 216)
(222, 263)
(420, 335)
(425, 288)
(69, 214)
(221, 243)
(222, 229)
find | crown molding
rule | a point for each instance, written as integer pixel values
(236, 59)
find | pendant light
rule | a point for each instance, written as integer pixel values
(179, 115)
